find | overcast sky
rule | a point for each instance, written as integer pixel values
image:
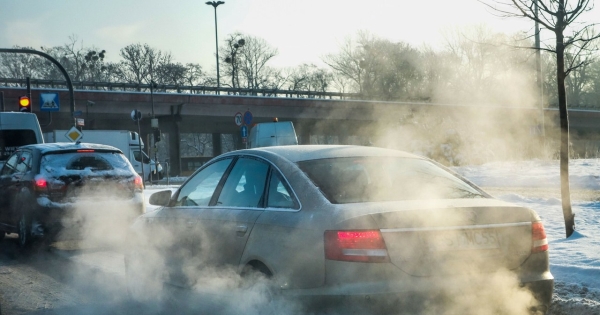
(303, 31)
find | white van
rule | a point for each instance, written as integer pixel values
(272, 134)
(18, 129)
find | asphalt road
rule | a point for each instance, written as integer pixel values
(52, 282)
(78, 278)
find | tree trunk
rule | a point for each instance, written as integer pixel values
(564, 132)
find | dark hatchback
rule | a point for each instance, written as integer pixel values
(46, 189)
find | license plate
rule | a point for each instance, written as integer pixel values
(462, 240)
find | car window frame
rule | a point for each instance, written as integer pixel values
(262, 201)
(285, 181)
(273, 171)
(173, 201)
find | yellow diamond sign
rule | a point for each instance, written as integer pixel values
(74, 134)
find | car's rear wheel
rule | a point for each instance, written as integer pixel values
(258, 278)
(24, 230)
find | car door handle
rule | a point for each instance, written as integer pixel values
(241, 230)
(189, 224)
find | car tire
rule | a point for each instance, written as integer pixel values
(24, 230)
(259, 278)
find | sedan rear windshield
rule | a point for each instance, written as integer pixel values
(369, 179)
(90, 162)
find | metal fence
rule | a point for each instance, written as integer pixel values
(168, 88)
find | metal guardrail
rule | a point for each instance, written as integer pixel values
(212, 90)
(168, 88)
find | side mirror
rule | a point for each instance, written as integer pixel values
(161, 198)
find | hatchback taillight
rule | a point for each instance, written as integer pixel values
(538, 237)
(356, 245)
(40, 184)
(138, 184)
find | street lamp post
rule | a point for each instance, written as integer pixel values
(215, 4)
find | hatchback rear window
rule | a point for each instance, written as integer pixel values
(370, 179)
(58, 164)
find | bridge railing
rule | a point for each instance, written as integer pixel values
(171, 88)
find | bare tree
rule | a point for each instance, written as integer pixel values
(381, 69)
(478, 66)
(557, 16)
(308, 77)
(347, 64)
(82, 63)
(253, 61)
(234, 44)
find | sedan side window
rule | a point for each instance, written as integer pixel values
(199, 190)
(279, 195)
(245, 184)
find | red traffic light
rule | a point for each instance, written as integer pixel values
(24, 104)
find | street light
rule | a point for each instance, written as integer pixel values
(215, 4)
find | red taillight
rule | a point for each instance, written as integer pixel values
(85, 151)
(40, 184)
(357, 245)
(538, 237)
(138, 183)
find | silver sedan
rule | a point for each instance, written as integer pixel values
(344, 226)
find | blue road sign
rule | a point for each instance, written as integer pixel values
(244, 130)
(49, 102)
(247, 117)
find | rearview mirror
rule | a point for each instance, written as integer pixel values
(160, 198)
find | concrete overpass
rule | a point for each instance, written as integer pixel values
(344, 121)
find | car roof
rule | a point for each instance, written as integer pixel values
(69, 146)
(296, 153)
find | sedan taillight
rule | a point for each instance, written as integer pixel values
(356, 245)
(538, 237)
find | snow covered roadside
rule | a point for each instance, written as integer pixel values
(574, 262)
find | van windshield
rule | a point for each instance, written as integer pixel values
(10, 140)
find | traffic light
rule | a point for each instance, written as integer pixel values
(24, 104)
(156, 135)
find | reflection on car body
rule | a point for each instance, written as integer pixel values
(334, 225)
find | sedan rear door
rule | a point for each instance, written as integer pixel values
(233, 212)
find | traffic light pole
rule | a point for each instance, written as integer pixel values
(54, 61)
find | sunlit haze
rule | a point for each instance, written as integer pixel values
(302, 31)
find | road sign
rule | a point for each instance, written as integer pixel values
(136, 115)
(49, 102)
(74, 134)
(244, 130)
(77, 113)
(80, 122)
(247, 118)
(238, 119)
